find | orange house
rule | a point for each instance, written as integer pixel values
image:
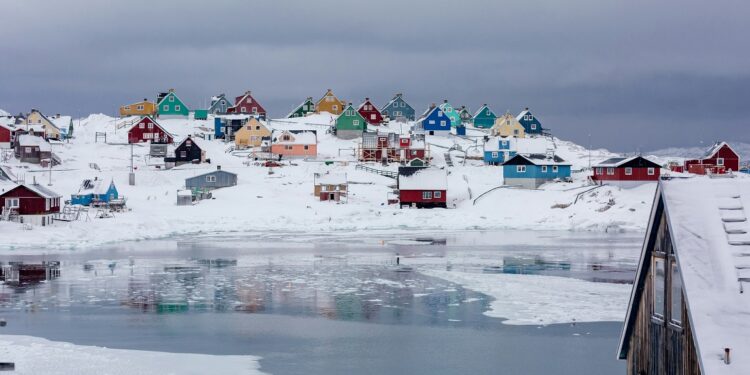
(294, 143)
(330, 103)
(142, 108)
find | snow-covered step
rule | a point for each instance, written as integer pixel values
(738, 239)
(735, 227)
(730, 203)
(732, 216)
(743, 275)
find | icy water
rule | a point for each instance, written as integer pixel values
(325, 305)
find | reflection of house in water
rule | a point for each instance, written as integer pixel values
(20, 273)
(532, 265)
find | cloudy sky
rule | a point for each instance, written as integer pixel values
(627, 75)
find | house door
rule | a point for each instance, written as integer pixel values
(331, 197)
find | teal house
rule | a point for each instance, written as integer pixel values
(530, 123)
(350, 124)
(170, 106)
(308, 106)
(484, 117)
(451, 113)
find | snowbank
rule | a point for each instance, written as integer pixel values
(34, 355)
(536, 299)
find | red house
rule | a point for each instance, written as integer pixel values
(370, 112)
(391, 147)
(7, 132)
(148, 130)
(422, 187)
(30, 204)
(626, 172)
(719, 159)
(247, 104)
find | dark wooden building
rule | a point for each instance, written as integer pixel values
(187, 151)
(688, 312)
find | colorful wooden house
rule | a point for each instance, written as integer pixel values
(484, 118)
(95, 192)
(498, 150)
(64, 123)
(530, 123)
(508, 126)
(349, 124)
(330, 103)
(246, 104)
(451, 112)
(626, 172)
(251, 134)
(39, 124)
(398, 110)
(294, 143)
(370, 113)
(142, 108)
(388, 147)
(33, 149)
(225, 126)
(30, 204)
(212, 180)
(533, 170)
(303, 109)
(220, 105)
(466, 117)
(433, 122)
(330, 187)
(7, 135)
(188, 151)
(148, 130)
(719, 159)
(688, 313)
(170, 106)
(422, 187)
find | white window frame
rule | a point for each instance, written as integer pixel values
(599, 170)
(544, 169)
(520, 169)
(165, 107)
(533, 126)
(628, 171)
(171, 98)
(210, 178)
(443, 123)
(177, 107)
(13, 202)
(426, 195)
(141, 126)
(610, 171)
(437, 194)
(554, 169)
(651, 171)
(494, 154)
(720, 161)
(355, 122)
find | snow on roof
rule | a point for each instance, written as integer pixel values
(62, 122)
(42, 191)
(713, 262)
(494, 144)
(395, 97)
(28, 140)
(523, 113)
(330, 179)
(714, 149)
(4, 113)
(6, 170)
(235, 117)
(8, 122)
(299, 137)
(299, 106)
(424, 179)
(539, 159)
(482, 108)
(184, 193)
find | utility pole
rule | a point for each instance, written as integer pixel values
(131, 176)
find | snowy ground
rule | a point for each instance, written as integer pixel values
(33, 355)
(283, 201)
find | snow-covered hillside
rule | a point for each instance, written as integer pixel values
(680, 153)
(283, 201)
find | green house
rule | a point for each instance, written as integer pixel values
(484, 117)
(451, 112)
(308, 106)
(171, 106)
(350, 124)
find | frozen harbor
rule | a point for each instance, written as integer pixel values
(329, 305)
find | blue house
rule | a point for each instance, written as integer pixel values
(219, 105)
(398, 109)
(229, 124)
(96, 191)
(212, 180)
(434, 122)
(498, 150)
(533, 170)
(531, 124)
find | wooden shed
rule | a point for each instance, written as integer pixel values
(212, 180)
(331, 186)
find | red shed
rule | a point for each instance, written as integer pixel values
(719, 159)
(148, 130)
(422, 187)
(31, 204)
(247, 104)
(626, 172)
(6, 135)
(370, 112)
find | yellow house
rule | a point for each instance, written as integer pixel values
(507, 126)
(37, 123)
(330, 103)
(142, 108)
(251, 134)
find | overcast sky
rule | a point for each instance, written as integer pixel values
(628, 75)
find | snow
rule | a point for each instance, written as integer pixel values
(681, 153)
(33, 355)
(542, 300)
(25, 140)
(425, 179)
(4, 113)
(331, 179)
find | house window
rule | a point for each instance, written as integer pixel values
(165, 107)
(210, 178)
(720, 161)
(28, 150)
(628, 171)
(494, 154)
(127, 107)
(249, 100)
(255, 110)
(243, 110)
(651, 171)
(413, 152)
(141, 126)
(440, 113)
(544, 169)
(521, 168)
(372, 116)
(12, 202)
(554, 169)
(288, 147)
(426, 195)
(533, 126)
(610, 171)
(431, 122)
(599, 170)
(438, 194)
(658, 281)
(675, 315)
(306, 147)
(177, 108)
(257, 127)
(355, 122)
(47, 204)
(139, 107)
(442, 123)
(150, 125)
(183, 154)
(171, 98)
(335, 107)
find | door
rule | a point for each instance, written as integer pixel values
(331, 197)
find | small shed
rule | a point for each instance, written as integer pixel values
(331, 186)
(184, 197)
(422, 187)
(212, 180)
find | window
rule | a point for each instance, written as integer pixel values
(165, 107)
(177, 108)
(335, 107)
(127, 107)
(651, 171)
(355, 122)
(12, 202)
(544, 169)
(554, 169)
(147, 135)
(150, 125)
(183, 154)
(47, 203)
(494, 154)
(515, 131)
(141, 126)
(257, 127)
(658, 281)
(599, 170)
(675, 314)
(720, 161)
(610, 171)
(28, 150)
(139, 107)
(533, 126)
(426, 195)
(306, 147)
(440, 113)
(628, 171)
(210, 178)
(403, 104)
(521, 168)
(372, 117)
(438, 194)
(413, 152)
(288, 147)
(243, 110)
(442, 123)
(249, 100)
(431, 122)
(171, 98)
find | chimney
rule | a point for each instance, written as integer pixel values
(367, 99)
(527, 108)
(145, 99)
(57, 115)
(247, 92)
(171, 90)
(309, 98)
(399, 94)
(485, 104)
(218, 167)
(445, 101)
(432, 105)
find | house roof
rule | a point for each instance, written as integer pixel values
(7, 171)
(98, 186)
(481, 109)
(300, 106)
(45, 118)
(62, 122)
(37, 189)
(709, 229)
(715, 148)
(416, 178)
(494, 144)
(633, 161)
(535, 159)
(216, 171)
(395, 97)
(166, 96)
(155, 123)
(28, 140)
(299, 137)
(523, 113)
(330, 178)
